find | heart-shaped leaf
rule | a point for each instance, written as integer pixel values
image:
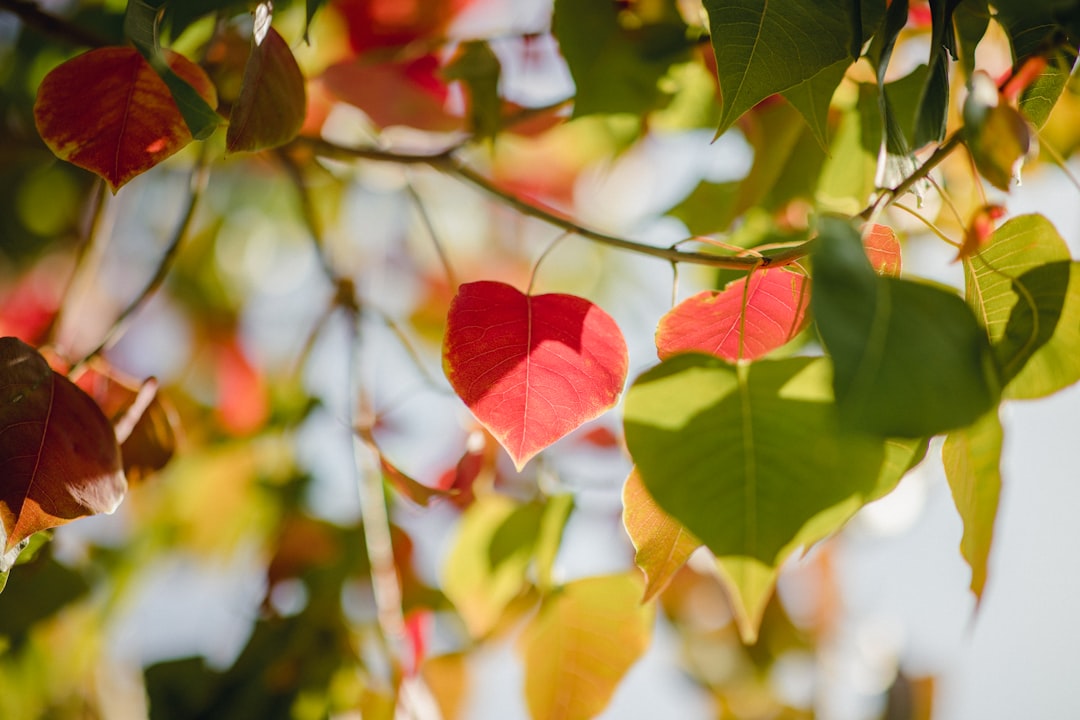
(662, 545)
(135, 122)
(59, 454)
(751, 460)
(747, 319)
(581, 643)
(270, 109)
(910, 360)
(531, 368)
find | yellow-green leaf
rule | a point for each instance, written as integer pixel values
(581, 643)
(662, 545)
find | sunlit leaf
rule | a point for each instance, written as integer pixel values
(752, 461)
(910, 360)
(1039, 94)
(486, 566)
(136, 123)
(270, 109)
(59, 452)
(747, 319)
(972, 458)
(764, 48)
(557, 511)
(581, 643)
(531, 368)
(883, 250)
(662, 545)
(979, 230)
(446, 676)
(997, 135)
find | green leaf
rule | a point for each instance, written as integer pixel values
(1031, 24)
(972, 458)
(141, 23)
(617, 69)
(1042, 338)
(751, 460)
(1039, 98)
(487, 563)
(581, 643)
(910, 359)
(970, 18)
(556, 512)
(812, 97)
(996, 134)
(1020, 286)
(933, 108)
(765, 48)
(848, 175)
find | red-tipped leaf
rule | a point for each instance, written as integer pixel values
(531, 368)
(883, 250)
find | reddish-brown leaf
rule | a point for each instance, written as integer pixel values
(58, 452)
(373, 24)
(662, 545)
(107, 111)
(883, 250)
(747, 319)
(396, 92)
(145, 423)
(531, 368)
(271, 106)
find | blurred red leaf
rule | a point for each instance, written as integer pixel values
(979, 230)
(59, 454)
(747, 319)
(29, 303)
(373, 24)
(135, 122)
(531, 368)
(144, 422)
(883, 250)
(396, 92)
(243, 403)
(271, 106)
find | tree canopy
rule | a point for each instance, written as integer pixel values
(657, 248)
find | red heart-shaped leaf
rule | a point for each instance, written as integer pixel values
(531, 368)
(58, 452)
(107, 111)
(747, 319)
(270, 109)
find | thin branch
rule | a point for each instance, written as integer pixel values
(91, 227)
(199, 175)
(447, 162)
(425, 218)
(33, 16)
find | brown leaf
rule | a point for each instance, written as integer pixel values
(58, 452)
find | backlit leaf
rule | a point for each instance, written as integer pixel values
(60, 456)
(752, 461)
(764, 48)
(979, 230)
(270, 109)
(747, 319)
(883, 250)
(662, 545)
(910, 360)
(136, 123)
(581, 643)
(531, 368)
(972, 458)
(1039, 95)
(812, 96)
(997, 135)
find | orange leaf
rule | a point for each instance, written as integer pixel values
(883, 250)
(59, 454)
(107, 111)
(979, 230)
(747, 319)
(270, 109)
(662, 545)
(532, 368)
